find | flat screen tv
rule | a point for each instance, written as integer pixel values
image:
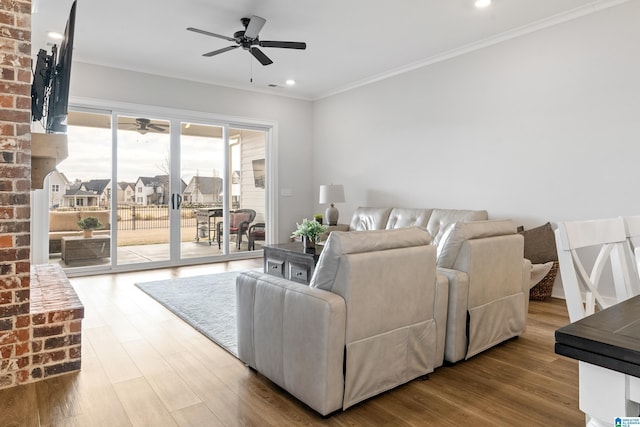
(59, 97)
(41, 83)
(259, 173)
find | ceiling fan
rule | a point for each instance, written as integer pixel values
(142, 126)
(248, 40)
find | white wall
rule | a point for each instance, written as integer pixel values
(544, 127)
(293, 118)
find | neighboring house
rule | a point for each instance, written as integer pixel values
(154, 190)
(77, 195)
(95, 192)
(203, 189)
(58, 185)
(102, 188)
(126, 192)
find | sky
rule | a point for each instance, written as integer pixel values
(138, 155)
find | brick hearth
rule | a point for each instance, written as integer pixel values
(47, 341)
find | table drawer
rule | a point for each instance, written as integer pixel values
(275, 267)
(299, 272)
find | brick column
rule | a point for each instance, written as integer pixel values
(15, 175)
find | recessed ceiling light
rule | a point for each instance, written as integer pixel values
(55, 35)
(290, 82)
(482, 3)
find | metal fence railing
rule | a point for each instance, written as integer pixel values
(139, 217)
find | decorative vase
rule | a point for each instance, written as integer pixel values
(87, 233)
(309, 243)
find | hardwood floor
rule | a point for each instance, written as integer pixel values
(142, 366)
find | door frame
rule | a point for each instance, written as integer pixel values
(176, 116)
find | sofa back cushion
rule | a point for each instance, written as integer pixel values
(365, 218)
(455, 234)
(440, 219)
(342, 243)
(406, 217)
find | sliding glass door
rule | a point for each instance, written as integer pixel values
(168, 190)
(224, 172)
(143, 166)
(202, 174)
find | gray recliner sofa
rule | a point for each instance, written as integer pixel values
(483, 261)
(372, 318)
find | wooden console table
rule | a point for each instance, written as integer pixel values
(78, 248)
(289, 260)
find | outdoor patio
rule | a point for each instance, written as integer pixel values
(151, 245)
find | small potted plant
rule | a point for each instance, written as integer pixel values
(309, 231)
(89, 224)
(318, 218)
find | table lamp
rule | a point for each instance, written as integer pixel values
(332, 194)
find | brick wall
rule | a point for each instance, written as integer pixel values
(40, 313)
(15, 174)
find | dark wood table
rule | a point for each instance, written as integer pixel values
(607, 344)
(609, 338)
(291, 261)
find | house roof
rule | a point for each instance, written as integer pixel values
(97, 185)
(205, 185)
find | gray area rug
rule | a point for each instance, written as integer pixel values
(207, 303)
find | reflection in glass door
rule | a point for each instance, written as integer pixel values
(143, 173)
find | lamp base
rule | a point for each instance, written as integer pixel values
(331, 214)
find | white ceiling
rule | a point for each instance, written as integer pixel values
(349, 42)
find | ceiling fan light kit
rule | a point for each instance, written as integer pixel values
(248, 40)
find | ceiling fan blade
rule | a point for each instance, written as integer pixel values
(255, 25)
(260, 56)
(285, 45)
(156, 128)
(216, 52)
(207, 33)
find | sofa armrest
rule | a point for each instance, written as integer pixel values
(456, 337)
(294, 335)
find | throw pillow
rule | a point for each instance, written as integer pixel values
(540, 244)
(237, 218)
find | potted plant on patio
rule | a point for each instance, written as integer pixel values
(89, 224)
(309, 231)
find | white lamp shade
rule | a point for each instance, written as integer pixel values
(332, 193)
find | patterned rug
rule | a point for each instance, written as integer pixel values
(207, 303)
